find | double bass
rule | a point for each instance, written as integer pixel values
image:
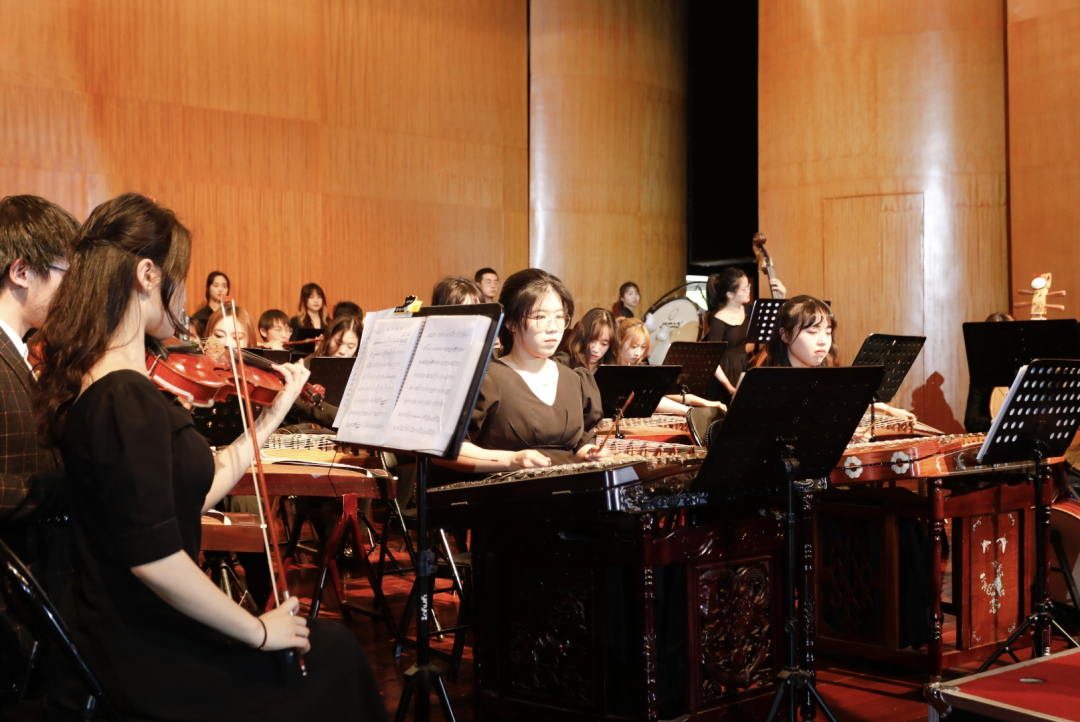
(765, 264)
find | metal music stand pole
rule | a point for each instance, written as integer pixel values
(423, 676)
(792, 677)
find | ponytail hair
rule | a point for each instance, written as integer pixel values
(95, 294)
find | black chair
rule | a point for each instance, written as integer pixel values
(25, 595)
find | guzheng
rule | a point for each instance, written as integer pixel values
(915, 458)
(666, 423)
(642, 476)
(895, 426)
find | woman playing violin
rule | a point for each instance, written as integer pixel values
(164, 641)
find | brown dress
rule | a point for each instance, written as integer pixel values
(510, 417)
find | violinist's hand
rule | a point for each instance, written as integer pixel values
(776, 285)
(528, 459)
(295, 376)
(285, 629)
(592, 452)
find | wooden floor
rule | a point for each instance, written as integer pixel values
(855, 690)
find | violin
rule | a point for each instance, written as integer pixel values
(202, 373)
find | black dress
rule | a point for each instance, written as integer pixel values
(509, 417)
(735, 360)
(624, 312)
(199, 319)
(137, 476)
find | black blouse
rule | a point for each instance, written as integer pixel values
(510, 417)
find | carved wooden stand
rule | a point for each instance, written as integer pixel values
(556, 603)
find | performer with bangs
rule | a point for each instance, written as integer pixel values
(634, 348)
(532, 411)
(592, 343)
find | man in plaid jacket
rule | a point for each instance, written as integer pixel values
(35, 239)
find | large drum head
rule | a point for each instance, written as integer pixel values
(676, 320)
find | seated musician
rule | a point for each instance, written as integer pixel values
(629, 298)
(592, 342)
(532, 411)
(805, 340)
(634, 348)
(164, 642)
(274, 329)
(456, 291)
(346, 308)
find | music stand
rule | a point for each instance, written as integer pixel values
(896, 354)
(997, 350)
(333, 374)
(271, 354)
(649, 384)
(1039, 419)
(698, 360)
(424, 676)
(763, 320)
(306, 334)
(786, 425)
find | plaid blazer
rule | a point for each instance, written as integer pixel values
(31, 477)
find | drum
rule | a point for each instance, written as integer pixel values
(1065, 519)
(676, 320)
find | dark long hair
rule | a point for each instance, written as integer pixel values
(302, 315)
(797, 314)
(210, 282)
(520, 295)
(340, 327)
(590, 327)
(617, 307)
(720, 285)
(95, 294)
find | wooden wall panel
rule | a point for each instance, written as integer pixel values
(370, 147)
(885, 98)
(1044, 146)
(879, 237)
(608, 145)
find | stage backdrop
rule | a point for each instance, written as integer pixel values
(1044, 148)
(607, 150)
(369, 146)
(882, 173)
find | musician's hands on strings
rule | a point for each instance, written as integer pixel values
(528, 459)
(592, 452)
(779, 287)
(285, 629)
(294, 376)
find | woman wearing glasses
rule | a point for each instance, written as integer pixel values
(532, 411)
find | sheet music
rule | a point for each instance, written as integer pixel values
(434, 391)
(364, 417)
(369, 325)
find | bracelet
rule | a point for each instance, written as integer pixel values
(265, 634)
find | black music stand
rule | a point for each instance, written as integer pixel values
(272, 354)
(698, 360)
(763, 320)
(1039, 419)
(786, 425)
(333, 374)
(648, 383)
(896, 354)
(306, 334)
(997, 350)
(424, 676)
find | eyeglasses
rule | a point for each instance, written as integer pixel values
(545, 321)
(59, 270)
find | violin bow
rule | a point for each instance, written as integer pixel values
(262, 495)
